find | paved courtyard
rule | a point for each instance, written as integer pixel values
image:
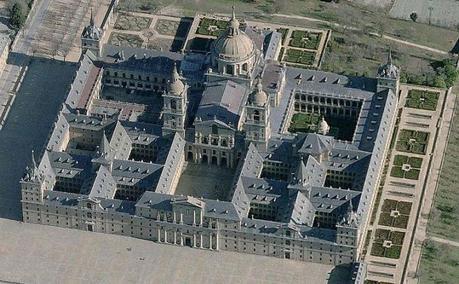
(208, 181)
(43, 254)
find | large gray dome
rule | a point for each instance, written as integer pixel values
(233, 45)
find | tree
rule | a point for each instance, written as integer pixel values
(18, 15)
(439, 81)
(414, 16)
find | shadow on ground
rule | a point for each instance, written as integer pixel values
(28, 124)
(340, 274)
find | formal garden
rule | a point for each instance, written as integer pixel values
(298, 56)
(211, 27)
(412, 141)
(128, 40)
(387, 243)
(304, 122)
(199, 44)
(395, 213)
(422, 99)
(340, 128)
(172, 28)
(132, 23)
(305, 39)
(406, 167)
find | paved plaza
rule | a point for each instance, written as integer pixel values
(30, 254)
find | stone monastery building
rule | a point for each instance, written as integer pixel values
(135, 121)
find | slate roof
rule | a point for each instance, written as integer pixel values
(315, 144)
(67, 165)
(223, 101)
(211, 208)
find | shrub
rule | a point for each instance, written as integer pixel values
(18, 14)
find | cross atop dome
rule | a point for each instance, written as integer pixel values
(233, 27)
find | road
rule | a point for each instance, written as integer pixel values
(444, 241)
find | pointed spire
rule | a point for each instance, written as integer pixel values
(259, 85)
(91, 21)
(389, 57)
(233, 15)
(175, 73)
(34, 164)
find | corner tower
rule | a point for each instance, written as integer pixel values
(174, 104)
(32, 184)
(388, 76)
(91, 38)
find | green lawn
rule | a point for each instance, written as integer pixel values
(412, 141)
(421, 99)
(439, 264)
(444, 216)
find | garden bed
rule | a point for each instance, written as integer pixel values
(199, 44)
(211, 27)
(304, 122)
(406, 167)
(172, 28)
(412, 141)
(305, 40)
(129, 40)
(422, 99)
(130, 23)
(399, 220)
(298, 56)
(392, 251)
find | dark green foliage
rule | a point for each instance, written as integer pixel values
(18, 14)
(443, 76)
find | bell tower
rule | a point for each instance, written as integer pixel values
(174, 104)
(257, 124)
